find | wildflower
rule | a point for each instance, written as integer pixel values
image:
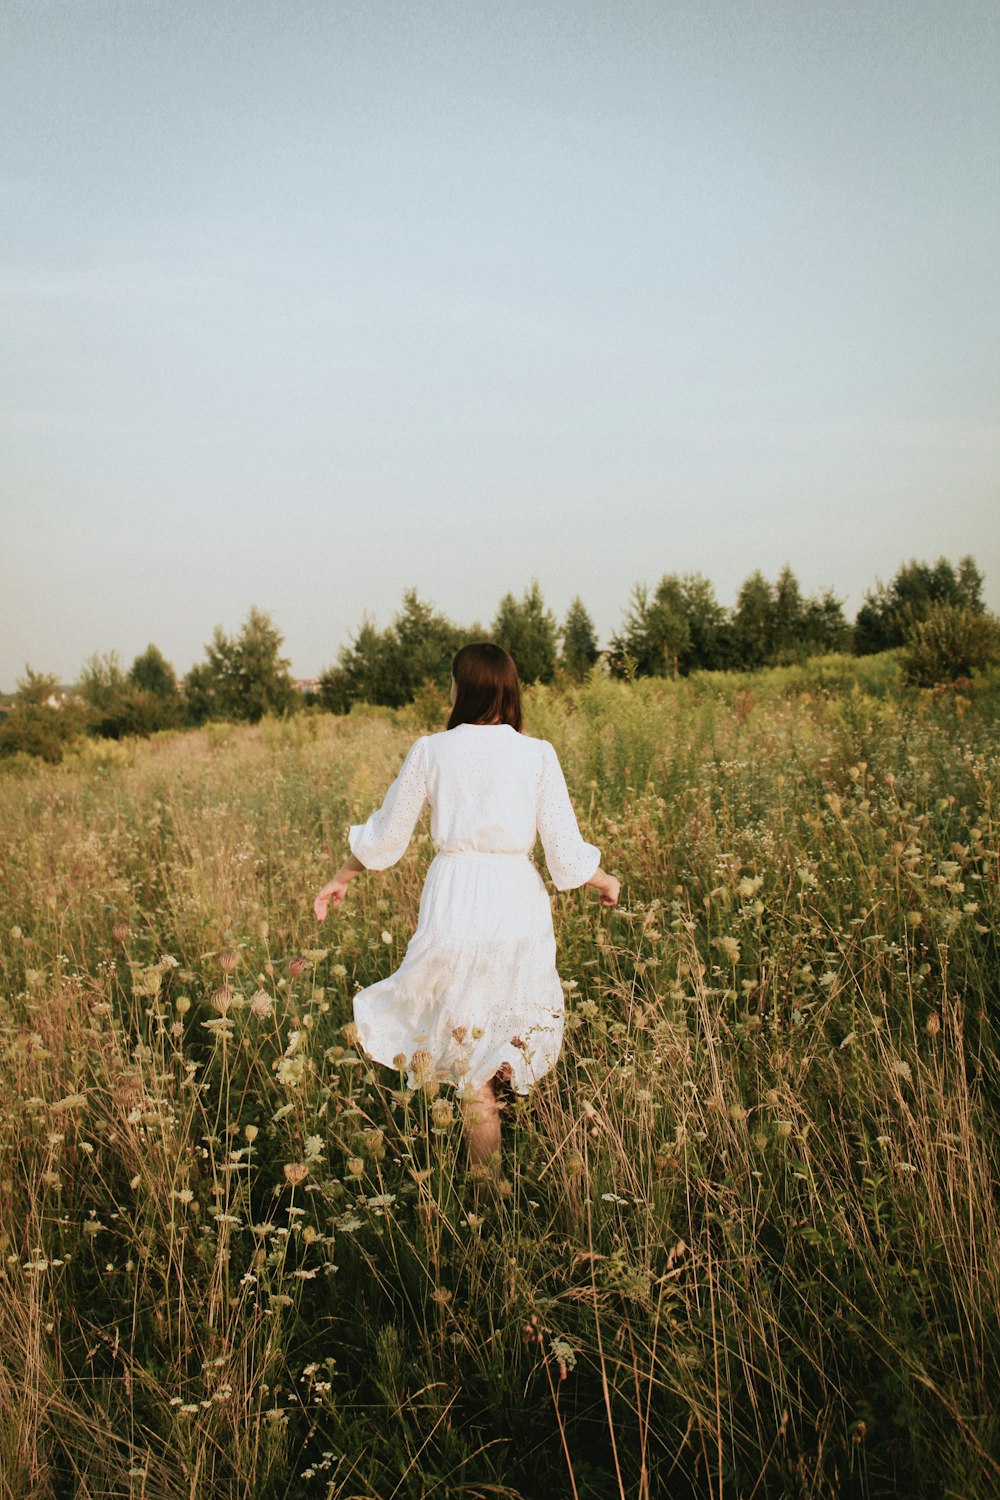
(355, 1165)
(71, 1101)
(902, 1069)
(730, 947)
(182, 1005)
(573, 1164)
(442, 1113)
(351, 1034)
(296, 1172)
(297, 966)
(183, 1195)
(933, 1024)
(15, 933)
(251, 1132)
(374, 1142)
(222, 1000)
(119, 932)
(339, 970)
(221, 1025)
(385, 936)
(261, 1003)
(459, 1033)
(421, 1063)
(291, 1070)
(228, 962)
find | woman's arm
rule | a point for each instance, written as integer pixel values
(334, 893)
(380, 841)
(608, 885)
(571, 860)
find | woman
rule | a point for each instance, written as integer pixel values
(477, 999)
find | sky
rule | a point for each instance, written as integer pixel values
(303, 304)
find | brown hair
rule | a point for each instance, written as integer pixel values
(487, 686)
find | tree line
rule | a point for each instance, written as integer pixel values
(935, 611)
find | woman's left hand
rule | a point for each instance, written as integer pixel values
(334, 893)
(331, 895)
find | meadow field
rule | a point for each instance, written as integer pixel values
(746, 1243)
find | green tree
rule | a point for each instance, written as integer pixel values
(528, 630)
(390, 666)
(152, 692)
(708, 642)
(787, 619)
(425, 643)
(200, 700)
(679, 628)
(579, 641)
(890, 611)
(243, 677)
(825, 628)
(41, 721)
(752, 622)
(152, 673)
(655, 633)
(104, 688)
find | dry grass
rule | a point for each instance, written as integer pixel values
(748, 1245)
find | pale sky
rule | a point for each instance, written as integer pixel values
(305, 303)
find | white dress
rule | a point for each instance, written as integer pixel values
(478, 985)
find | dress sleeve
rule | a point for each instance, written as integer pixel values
(380, 842)
(570, 859)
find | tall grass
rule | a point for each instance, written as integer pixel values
(747, 1239)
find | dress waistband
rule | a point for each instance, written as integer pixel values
(484, 853)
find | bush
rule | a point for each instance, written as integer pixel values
(41, 722)
(952, 642)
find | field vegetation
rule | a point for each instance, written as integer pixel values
(935, 613)
(746, 1243)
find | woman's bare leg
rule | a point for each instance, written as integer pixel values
(481, 1125)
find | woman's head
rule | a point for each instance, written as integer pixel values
(486, 687)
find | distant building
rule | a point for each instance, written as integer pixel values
(307, 684)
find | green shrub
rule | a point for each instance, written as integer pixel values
(953, 641)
